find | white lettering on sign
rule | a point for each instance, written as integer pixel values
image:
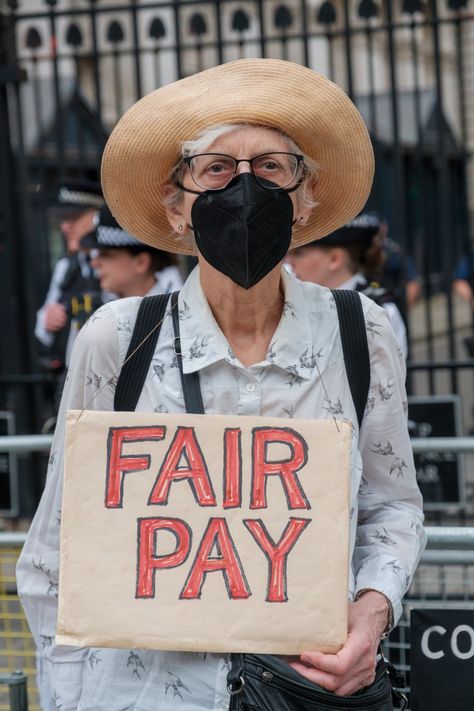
(424, 642)
(454, 642)
(437, 629)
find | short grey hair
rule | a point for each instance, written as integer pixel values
(205, 139)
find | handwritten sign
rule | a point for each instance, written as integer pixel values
(204, 533)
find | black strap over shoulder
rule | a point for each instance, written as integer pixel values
(354, 346)
(189, 381)
(147, 328)
(135, 369)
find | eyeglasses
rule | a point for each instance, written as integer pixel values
(213, 171)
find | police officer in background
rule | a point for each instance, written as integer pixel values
(74, 290)
(125, 266)
(398, 272)
(347, 259)
(463, 280)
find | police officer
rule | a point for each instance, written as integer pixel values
(345, 259)
(125, 266)
(74, 291)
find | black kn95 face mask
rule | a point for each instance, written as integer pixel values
(243, 230)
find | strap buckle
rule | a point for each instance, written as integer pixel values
(177, 346)
(236, 687)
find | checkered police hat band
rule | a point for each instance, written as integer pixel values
(79, 198)
(115, 237)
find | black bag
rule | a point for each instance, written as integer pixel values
(261, 682)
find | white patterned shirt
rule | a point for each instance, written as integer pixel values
(303, 375)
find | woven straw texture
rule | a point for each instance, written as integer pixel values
(144, 147)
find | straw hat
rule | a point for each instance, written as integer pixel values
(145, 144)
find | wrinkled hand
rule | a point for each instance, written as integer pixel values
(353, 667)
(55, 317)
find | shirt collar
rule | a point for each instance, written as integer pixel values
(292, 346)
(203, 343)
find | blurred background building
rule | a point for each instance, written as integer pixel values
(70, 68)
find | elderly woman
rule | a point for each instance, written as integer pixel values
(237, 164)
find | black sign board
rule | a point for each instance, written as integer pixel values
(439, 474)
(442, 660)
(8, 470)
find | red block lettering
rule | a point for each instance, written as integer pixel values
(277, 553)
(118, 465)
(148, 562)
(227, 560)
(232, 468)
(184, 446)
(286, 469)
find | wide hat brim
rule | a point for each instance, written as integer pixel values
(145, 145)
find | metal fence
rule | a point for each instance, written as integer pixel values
(16, 682)
(17, 649)
(457, 480)
(445, 577)
(69, 70)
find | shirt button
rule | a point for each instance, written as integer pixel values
(251, 387)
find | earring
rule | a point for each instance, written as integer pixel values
(180, 227)
(301, 219)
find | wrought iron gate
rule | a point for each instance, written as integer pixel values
(68, 70)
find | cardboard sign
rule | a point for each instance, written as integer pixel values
(442, 658)
(204, 533)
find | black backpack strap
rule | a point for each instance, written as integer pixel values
(354, 346)
(189, 381)
(150, 314)
(135, 368)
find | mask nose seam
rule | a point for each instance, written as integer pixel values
(245, 195)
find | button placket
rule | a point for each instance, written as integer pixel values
(249, 396)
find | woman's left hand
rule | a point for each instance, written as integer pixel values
(353, 667)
